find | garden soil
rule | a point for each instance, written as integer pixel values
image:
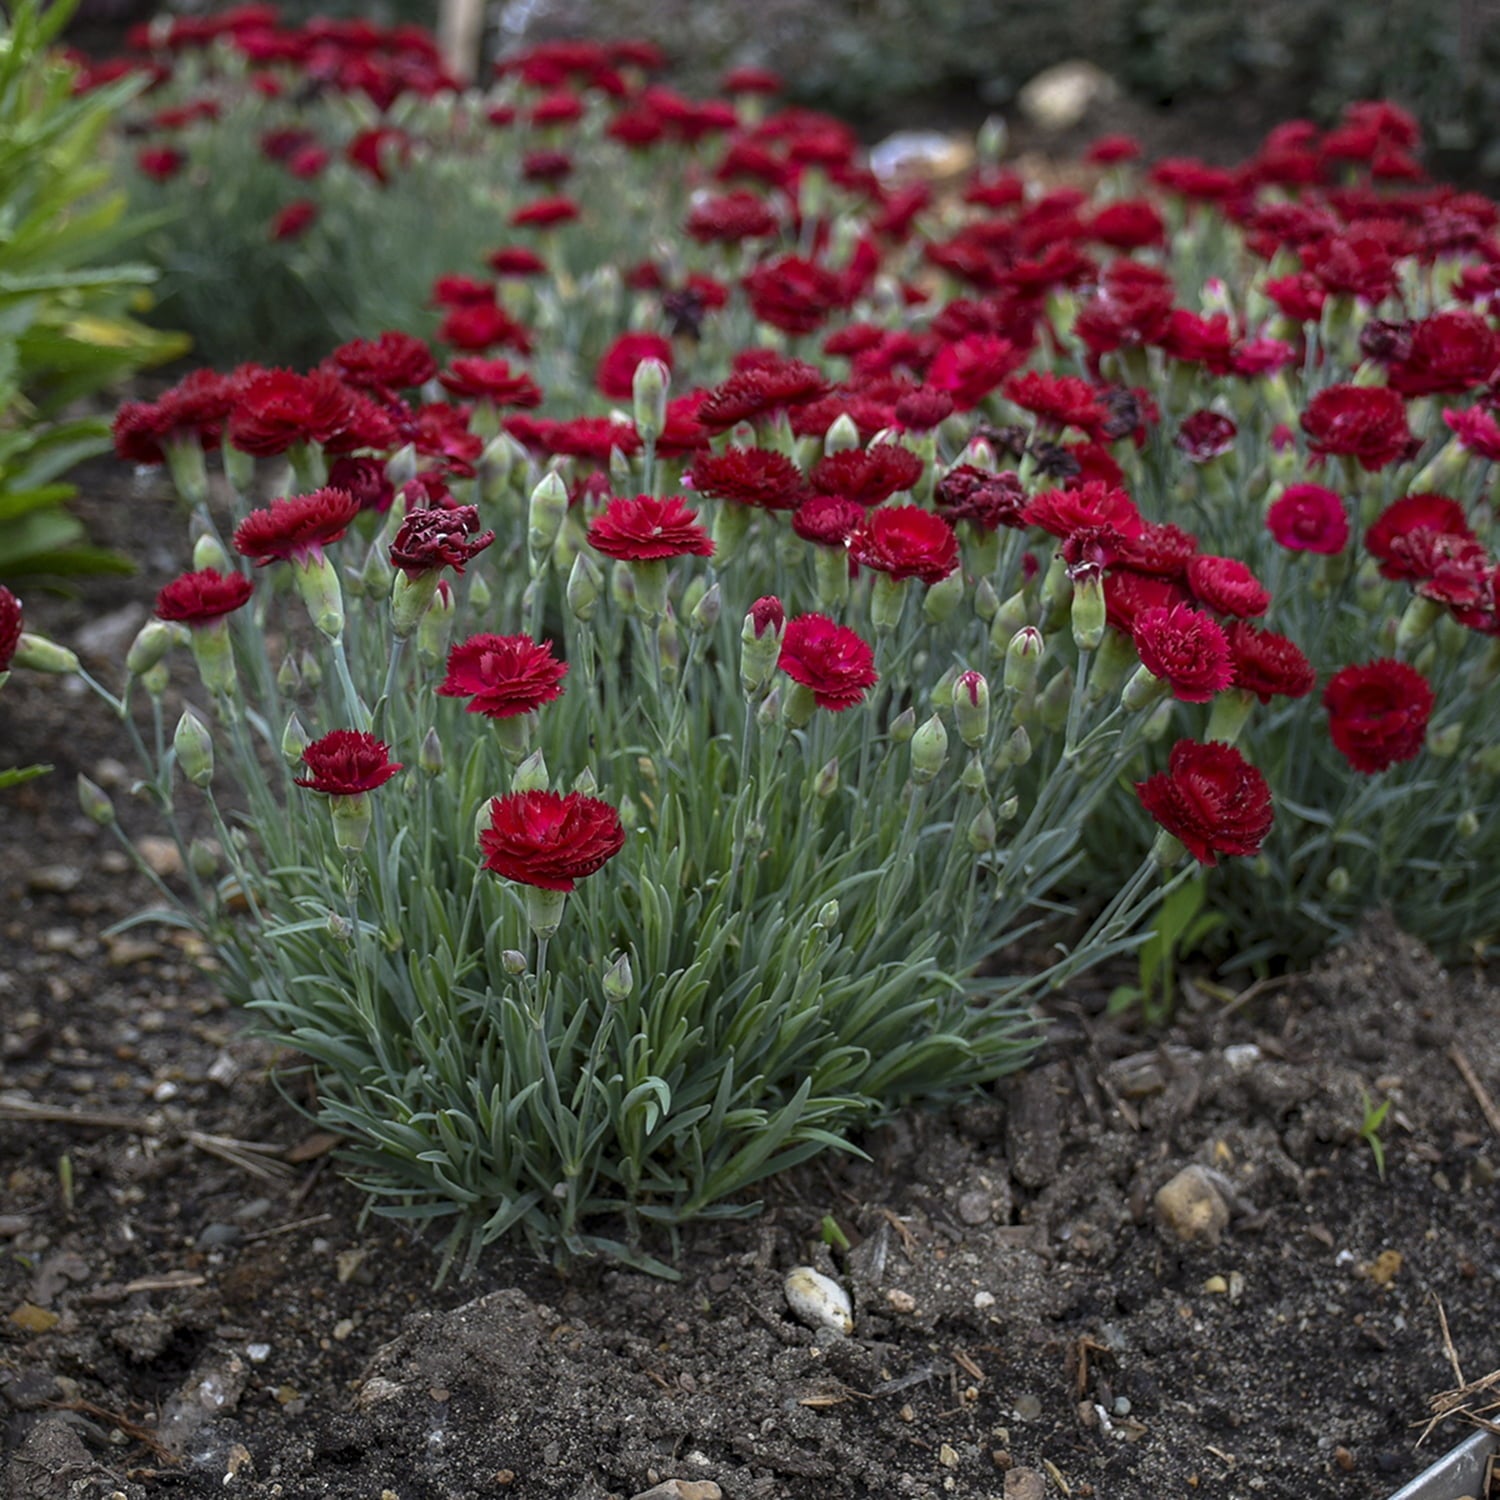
(191, 1302)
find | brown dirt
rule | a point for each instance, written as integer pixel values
(176, 1323)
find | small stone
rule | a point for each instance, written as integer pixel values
(976, 1208)
(901, 1302)
(161, 854)
(54, 880)
(347, 1263)
(114, 861)
(1121, 1406)
(1385, 1267)
(681, 1489)
(165, 1091)
(1061, 96)
(1242, 1056)
(125, 950)
(342, 1329)
(818, 1300)
(376, 1390)
(30, 1318)
(1192, 1207)
(1216, 1286)
(1343, 1458)
(239, 1462)
(1025, 1484)
(256, 1208)
(109, 772)
(257, 1354)
(947, 1457)
(983, 1300)
(1028, 1408)
(216, 1236)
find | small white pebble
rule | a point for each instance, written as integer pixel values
(983, 1300)
(257, 1354)
(818, 1300)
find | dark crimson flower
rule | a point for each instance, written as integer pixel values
(1160, 549)
(1450, 352)
(647, 528)
(345, 763)
(589, 438)
(906, 541)
(478, 326)
(923, 410)
(1377, 714)
(160, 163)
(1352, 265)
(616, 370)
(1412, 515)
(515, 260)
(1132, 307)
(749, 80)
(194, 410)
(394, 361)
(829, 659)
(1267, 664)
(986, 500)
(682, 434)
(1205, 435)
(867, 476)
(198, 598)
(491, 380)
(365, 479)
(546, 166)
(550, 839)
(1477, 430)
(293, 221)
(1298, 298)
(278, 408)
(827, 520)
(1058, 401)
(759, 391)
(1226, 585)
(767, 614)
(545, 213)
(1128, 224)
(10, 626)
(749, 476)
(503, 675)
(439, 538)
(731, 219)
(969, 368)
(638, 127)
(558, 108)
(1308, 518)
(1110, 150)
(1200, 341)
(1211, 799)
(793, 294)
(454, 290)
(376, 150)
(1186, 648)
(295, 527)
(1193, 179)
(1062, 512)
(1367, 423)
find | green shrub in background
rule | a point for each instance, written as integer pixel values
(64, 328)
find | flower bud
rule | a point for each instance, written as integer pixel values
(531, 775)
(208, 552)
(903, 726)
(842, 435)
(705, 612)
(648, 398)
(991, 140)
(941, 695)
(1057, 586)
(1023, 659)
(1466, 824)
(939, 602)
(1114, 658)
(585, 582)
(195, 749)
(189, 472)
(971, 708)
(203, 856)
(1088, 609)
(239, 468)
(340, 928)
(986, 600)
(1338, 881)
(979, 454)
(312, 671)
(317, 581)
(929, 751)
(544, 909)
(94, 801)
(826, 782)
(760, 644)
(294, 740)
(971, 778)
(1014, 613)
(1417, 620)
(1053, 702)
(1232, 708)
(410, 597)
(769, 713)
(618, 980)
(622, 586)
(545, 514)
(982, 833)
(831, 577)
(152, 642)
(731, 527)
(37, 654)
(432, 632)
(1159, 721)
(1143, 689)
(621, 482)
(513, 961)
(1007, 810)
(1017, 748)
(375, 578)
(288, 678)
(430, 756)
(669, 646)
(800, 705)
(1444, 742)
(213, 652)
(156, 680)
(479, 594)
(585, 784)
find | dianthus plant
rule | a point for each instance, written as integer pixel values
(606, 838)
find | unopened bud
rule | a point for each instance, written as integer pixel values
(288, 678)
(940, 601)
(203, 856)
(971, 708)
(986, 600)
(971, 778)
(618, 980)
(545, 514)
(621, 481)
(826, 782)
(311, 669)
(544, 910)
(430, 756)
(1017, 748)
(37, 654)
(982, 833)
(152, 642)
(1444, 742)
(410, 598)
(903, 726)
(769, 712)
(340, 928)
(1143, 689)
(1159, 721)
(648, 398)
(760, 644)
(317, 581)
(531, 775)
(1052, 705)
(513, 961)
(941, 695)
(1466, 824)
(991, 140)
(479, 594)
(1088, 614)
(1417, 621)
(585, 583)
(377, 575)
(195, 749)
(432, 633)
(94, 801)
(842, 434)
(1338, 881)
(1023, 659)
(208, 552)
(929, 751)
(886, 599)
(669, 646)
(294, 740)
(705, 612)
(800, 705)
(828, 914)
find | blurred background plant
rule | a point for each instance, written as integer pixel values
(66, 325)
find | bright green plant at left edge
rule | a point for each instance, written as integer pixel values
(65, 328)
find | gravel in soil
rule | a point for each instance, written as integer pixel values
(191, 1302)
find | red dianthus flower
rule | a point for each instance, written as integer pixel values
(503, 675)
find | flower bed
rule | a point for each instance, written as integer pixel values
(823, 562)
